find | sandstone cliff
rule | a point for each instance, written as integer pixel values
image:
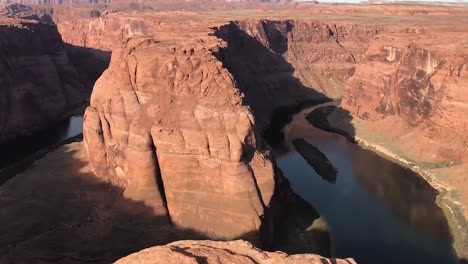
(419, 92)
(39, 84)
(168, 120)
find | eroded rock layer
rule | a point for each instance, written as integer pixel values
(420, 92)
(211, 252)
(39, 84)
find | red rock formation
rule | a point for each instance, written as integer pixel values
(211, 252)
(415, 90)
(170, 122)
(39, 84)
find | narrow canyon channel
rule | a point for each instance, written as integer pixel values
(376, 210)
(22, 149)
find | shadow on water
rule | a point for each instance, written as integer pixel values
(378, 211)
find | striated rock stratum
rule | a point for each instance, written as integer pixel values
(168, 120)
(212, 252)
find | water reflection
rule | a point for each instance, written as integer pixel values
(378, 211)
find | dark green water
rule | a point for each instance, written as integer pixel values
(377, 211)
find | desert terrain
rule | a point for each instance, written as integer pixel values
(184, 104)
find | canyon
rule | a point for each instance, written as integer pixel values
(40, 85)
(178, 134)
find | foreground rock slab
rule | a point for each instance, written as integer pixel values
(58, 211)
(213, 252)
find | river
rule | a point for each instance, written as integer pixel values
(377, 211)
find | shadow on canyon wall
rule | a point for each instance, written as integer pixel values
(89, 62)
(58, 211)
(410, 197)
(267, 79)
(274, 94)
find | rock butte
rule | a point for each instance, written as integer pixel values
(176, 120)
(169, 122)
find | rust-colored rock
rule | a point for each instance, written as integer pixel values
(418, 91)
(169, 121)
(211, 252)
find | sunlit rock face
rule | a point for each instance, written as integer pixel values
(407, 91)
(169, 121)
(39, 84)
(418, 92)
(222, 252)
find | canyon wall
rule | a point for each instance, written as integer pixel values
(283, 63)
(417, 91)
(397, 79)
(388, 77)
(276, 63)
(39, 84)
(169, 120)
(368, 63)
